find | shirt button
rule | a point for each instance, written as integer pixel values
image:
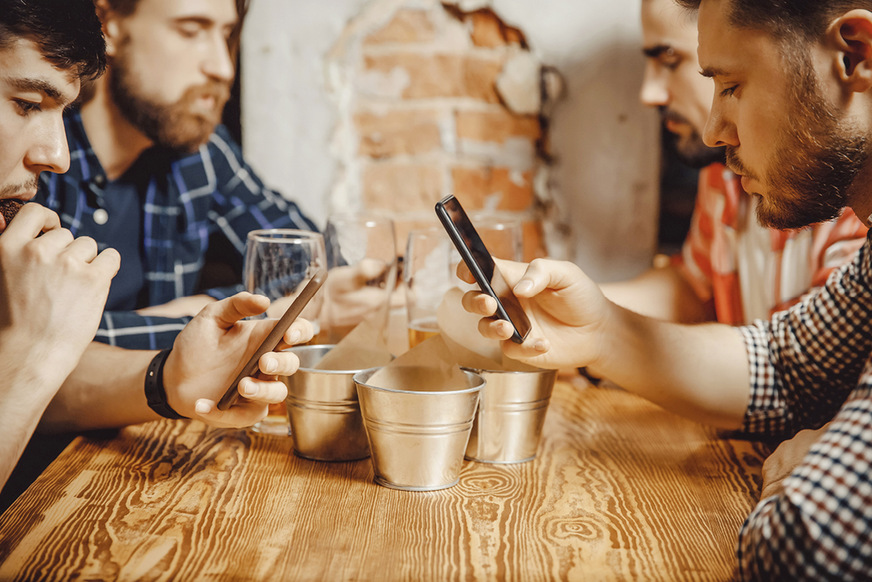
(101, 217)
(100, 180)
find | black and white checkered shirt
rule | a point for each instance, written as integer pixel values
(809, 365)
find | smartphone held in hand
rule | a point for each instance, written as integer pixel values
(274, 338)
(481, 265)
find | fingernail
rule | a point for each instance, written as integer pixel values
(270, 365)
(202, 407)
(295, 336)
(540, 346)
(525, 286)
(248, 389)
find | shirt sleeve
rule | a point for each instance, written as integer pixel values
(809, 365)
(805, 361)
(818, 527)
(128, 329)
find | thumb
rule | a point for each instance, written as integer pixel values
(229, 311)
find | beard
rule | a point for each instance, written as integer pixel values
(817, 158)
(177, 126)
(690, 149)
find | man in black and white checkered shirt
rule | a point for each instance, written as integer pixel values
(793, 107)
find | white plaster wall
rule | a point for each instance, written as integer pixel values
(606, 178)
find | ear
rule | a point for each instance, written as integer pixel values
(852, 33)
(110, 21)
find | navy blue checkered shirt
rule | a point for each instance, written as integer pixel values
(185, 199)
(809, 365)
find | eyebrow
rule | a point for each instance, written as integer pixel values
(657, 50)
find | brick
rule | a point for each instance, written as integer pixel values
(475, 185)
(398, 133)
(401, 187)
(535, 246)
(489, 31)
(407, 27)
(441, 75)
(496, 126)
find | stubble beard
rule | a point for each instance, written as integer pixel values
(175, 126)
(817, 159)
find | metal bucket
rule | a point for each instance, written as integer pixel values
(323, 410)
(417, 437)
(511, 413)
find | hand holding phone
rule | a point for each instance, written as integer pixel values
(274, 338)
(481, 265)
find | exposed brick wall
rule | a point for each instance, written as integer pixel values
(436, 101)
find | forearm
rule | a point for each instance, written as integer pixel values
(698, 371)
(21, 406)
(662, 293)
(106, 390)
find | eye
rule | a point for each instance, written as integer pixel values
(189, 29)
(27, 107)
(669, 59)
(729, 91)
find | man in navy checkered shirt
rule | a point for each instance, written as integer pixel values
(793, 107)
(153, 175)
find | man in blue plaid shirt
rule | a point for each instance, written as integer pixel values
(793, 107)
(153, 174)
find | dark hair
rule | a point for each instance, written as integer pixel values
(786, 19)
(67, 32)
(128, 7)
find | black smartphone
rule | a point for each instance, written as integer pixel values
(275, 336)
(481, 265)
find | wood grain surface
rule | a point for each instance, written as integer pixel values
(620, 490)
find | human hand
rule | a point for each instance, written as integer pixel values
(356, 291)
(786, 458)
(212, 349)
(180, 307)
(53, 289)
(566, 310)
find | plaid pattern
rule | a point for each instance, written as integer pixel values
(748, 271)
(186, 198)
(809, 365)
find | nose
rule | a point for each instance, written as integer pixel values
(654, 92)
(219, 63)
(49, 151)
(720, 129)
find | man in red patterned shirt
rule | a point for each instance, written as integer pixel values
(730, 268)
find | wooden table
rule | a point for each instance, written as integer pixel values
(620, 490)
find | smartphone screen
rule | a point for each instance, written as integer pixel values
(481, 265)
(275, 336)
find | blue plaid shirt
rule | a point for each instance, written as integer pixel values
(809, 365)
(185, 199)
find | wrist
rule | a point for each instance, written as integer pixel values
(155, 391)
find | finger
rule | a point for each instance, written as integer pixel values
(531, 351)
(479, 303)
(33, 219)
(279, 363)
(83, 248)
(230, 310)
(300, 332)
(496, 329)
(269, 391)
(241, 414)
(108, 262)
(463, 273)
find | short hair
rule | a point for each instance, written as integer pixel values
(67, 32)
(128, 7)
(786, 19)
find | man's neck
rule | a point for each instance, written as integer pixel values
(117, 144)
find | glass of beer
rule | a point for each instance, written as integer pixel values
(278, 263)
(502, 233)
(428, 272)
(362, 257)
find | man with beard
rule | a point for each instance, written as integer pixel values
(154, 175)
(53, 286)
(730, 269)
(793, 108)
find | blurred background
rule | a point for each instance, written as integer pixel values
(524, 107)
